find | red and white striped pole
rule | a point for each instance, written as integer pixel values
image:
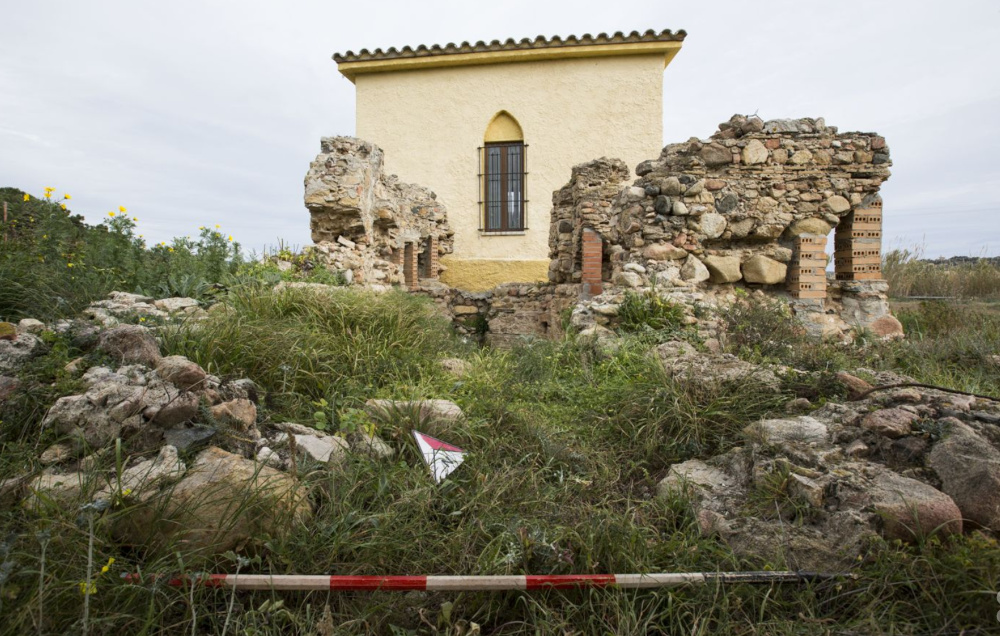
(481, 583)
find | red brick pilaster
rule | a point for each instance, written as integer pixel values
(410, 266)
(591, 263)
(432, 256)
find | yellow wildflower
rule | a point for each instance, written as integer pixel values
(217, 226)
(162, 243)
(85, 590)
(47, 189)
(170, 249)
(230, 237)
(121, 208)
(48, 195)
(69, 264)
(142, 320)
(135, 218)
(111, 214)
(62, 205)
(27, 197)
(201, 227)
(66, 196)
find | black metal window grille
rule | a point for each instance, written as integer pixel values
(503, 177)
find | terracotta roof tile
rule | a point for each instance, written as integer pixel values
(540, 42)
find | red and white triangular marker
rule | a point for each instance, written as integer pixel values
(442, 458)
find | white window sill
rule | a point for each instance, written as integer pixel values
(516, 233)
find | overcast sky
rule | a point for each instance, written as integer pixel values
(202, 112)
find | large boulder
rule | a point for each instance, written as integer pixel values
(223, 501)
(969, 468)
(723, 269)
(764, 271)
(911, 509)
(130, 344)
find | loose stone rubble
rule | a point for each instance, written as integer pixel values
(236, 484)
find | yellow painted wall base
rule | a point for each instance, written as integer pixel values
(483, 274)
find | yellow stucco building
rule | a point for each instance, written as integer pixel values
(495, 128)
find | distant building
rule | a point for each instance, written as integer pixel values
(494, 129)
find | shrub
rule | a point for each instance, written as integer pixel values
(53, 264)
(650, 314)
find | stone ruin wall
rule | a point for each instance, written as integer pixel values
(368, 225)
(754, 205)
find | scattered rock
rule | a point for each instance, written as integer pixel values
(798, 405)
(969, 468)
(326, 449)
(892, 423)
(911, 509)
(66, 490)
(270, 458)
(805, 489)
(130, 344)
(181, 372)
(887, 327)
(423, 410)
(186, 439)
(372, 445)
(16, 351)
(684, 364)
(802, 429)
(174, 305)
(222, 502)
(30, 325)
(56, 454)
(855, 386)
(241, 414)
(697, 475)
(456, 367)
(142, 481)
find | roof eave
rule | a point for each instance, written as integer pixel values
(351, 67)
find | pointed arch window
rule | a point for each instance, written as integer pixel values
(503, 172)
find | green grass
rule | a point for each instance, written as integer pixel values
(909, 275)
(567, 442)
